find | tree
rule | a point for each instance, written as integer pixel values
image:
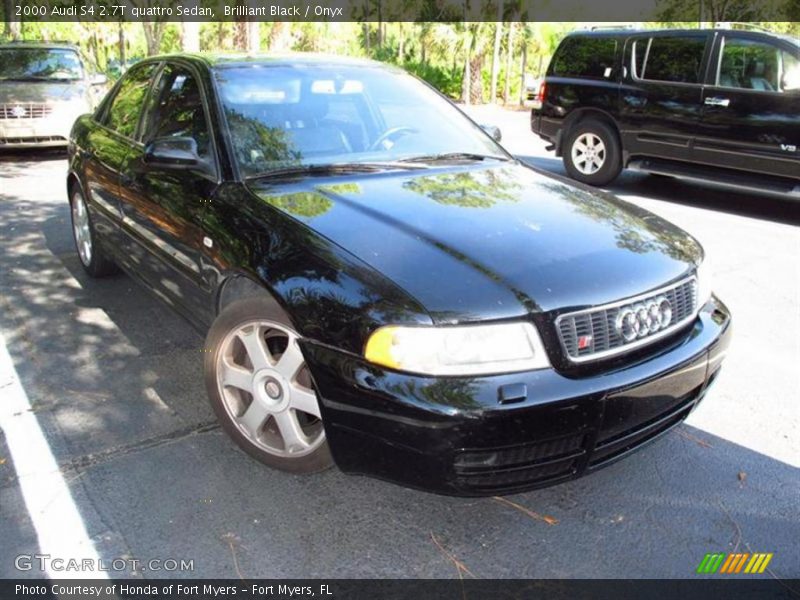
(13, 29)
(498, 34)
(721, 10)
(509, 62)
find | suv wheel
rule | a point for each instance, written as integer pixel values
(261, 389)
(592, 153)
(93, 259)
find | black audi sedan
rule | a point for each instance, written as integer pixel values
(382, 285)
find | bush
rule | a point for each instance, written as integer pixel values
(446, 80)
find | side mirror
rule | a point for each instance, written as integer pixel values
(98, 79)
(493, 131)
(172, 153)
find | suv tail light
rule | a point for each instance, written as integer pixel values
(542, 92)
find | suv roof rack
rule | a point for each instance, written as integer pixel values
(43, 42)
(740, 25)
(611, 27)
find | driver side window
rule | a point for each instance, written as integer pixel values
(750, 65)
(177, 109)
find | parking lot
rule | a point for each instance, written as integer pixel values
(112, 380)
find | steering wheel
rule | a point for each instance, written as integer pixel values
(394, 132)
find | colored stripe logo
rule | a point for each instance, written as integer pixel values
(731, 564)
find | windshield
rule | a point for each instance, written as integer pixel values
(40, 64)
(316, 115)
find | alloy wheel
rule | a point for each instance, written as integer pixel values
(267, 390)
(588, 153)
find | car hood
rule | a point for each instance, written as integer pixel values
(491, 241)
(37, 91)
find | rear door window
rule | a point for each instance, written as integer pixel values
(585, 57)
(674, 59)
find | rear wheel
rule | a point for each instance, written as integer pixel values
(261, 389)
(93, 258)
(592, 153)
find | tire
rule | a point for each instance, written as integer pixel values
(93, 258)
(598, 145)
(261, 390)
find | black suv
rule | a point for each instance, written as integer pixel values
(713, 104)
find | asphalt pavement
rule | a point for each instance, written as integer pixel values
(107, 434)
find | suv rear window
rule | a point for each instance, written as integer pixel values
(590, 57)
(672, 59)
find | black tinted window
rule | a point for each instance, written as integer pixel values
(123, 114)
(750, 65)
(177, 110)
(585, 57)
(675, 59)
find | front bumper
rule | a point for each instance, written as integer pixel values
(50, 131)
(452, 436)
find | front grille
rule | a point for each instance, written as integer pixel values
(592, 334)
(40, 139)
(25, 110)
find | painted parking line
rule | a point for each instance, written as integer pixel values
(56, 519)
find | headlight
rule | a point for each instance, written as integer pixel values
(705, 280)
(458, 350)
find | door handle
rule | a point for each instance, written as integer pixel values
(724, 102)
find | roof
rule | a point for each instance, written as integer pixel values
(617, 31)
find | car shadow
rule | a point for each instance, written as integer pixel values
(709, 196)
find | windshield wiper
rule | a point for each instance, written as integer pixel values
(332, 169)
(454, 156)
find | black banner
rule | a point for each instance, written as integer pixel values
(386, 10)
(732, 588)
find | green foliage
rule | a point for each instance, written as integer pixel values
(445, 79)
(434, 51)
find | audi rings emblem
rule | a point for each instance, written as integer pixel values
(644, 318)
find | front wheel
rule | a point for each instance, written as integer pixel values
(592, 153)
(261, 389)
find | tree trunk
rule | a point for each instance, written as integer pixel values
(498, 32)
(122, 56)
(401, 43)
(509, 62)
(253, 37)
(367, 12)
(523, 68)
(380, 24)
(190, 36)
(153, 32)
(13, 29)
(476, 82)
(466, 81)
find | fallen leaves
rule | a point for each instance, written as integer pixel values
(742, 476)
(2, 461)
(694, 439)
(533, 515)
(232, 539)
(460, 567)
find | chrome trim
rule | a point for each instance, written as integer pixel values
(631, 300)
